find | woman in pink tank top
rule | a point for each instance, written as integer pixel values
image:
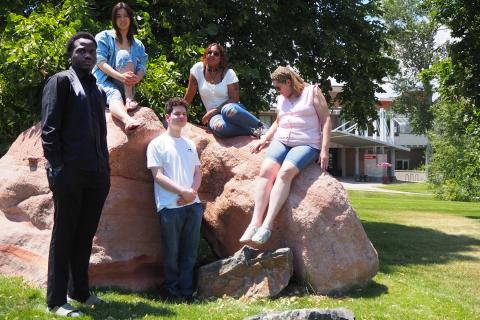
(301, 135)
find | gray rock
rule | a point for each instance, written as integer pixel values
(304, 314)
(248, 273)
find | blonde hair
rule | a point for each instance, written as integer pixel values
(282, 74)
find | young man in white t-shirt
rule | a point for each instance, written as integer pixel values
(175, 167)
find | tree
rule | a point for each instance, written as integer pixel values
(463, 19)
(412, 34)
(455, 166)
(30, 49)
(344, 39)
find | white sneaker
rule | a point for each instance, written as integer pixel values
(248, 234)
(262, 235)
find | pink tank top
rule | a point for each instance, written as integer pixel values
(298, 122)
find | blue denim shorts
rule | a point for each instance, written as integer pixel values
(113, 91)
(114, 88)
(299, 156)
(122, 59)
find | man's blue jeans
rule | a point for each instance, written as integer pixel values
(180, 229)
(233, 121)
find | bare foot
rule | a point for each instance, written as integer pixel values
(132, 124)
(131, 104)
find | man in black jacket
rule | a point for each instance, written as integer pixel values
(74, 139)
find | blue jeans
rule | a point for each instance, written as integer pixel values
(180, 229)
(233, 121)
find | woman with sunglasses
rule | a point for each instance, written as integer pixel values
(301, 135)
(220, 94)
(121, 64)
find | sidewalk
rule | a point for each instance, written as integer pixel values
(351, 184)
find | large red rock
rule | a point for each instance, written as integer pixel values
(330, 248)
(126, 249)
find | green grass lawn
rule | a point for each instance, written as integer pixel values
(417, 187)
(429, 269)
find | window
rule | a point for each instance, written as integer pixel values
(402, 164)
(403, 125)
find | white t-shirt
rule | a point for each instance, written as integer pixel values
(178, 158)
(212, 94)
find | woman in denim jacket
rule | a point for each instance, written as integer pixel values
(121, 64)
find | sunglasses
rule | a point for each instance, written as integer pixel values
(213, 53)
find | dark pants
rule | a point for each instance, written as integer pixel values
(180, 229)
(78, 201)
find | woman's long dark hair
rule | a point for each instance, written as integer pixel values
(131, 28)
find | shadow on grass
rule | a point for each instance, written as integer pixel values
(400, 245)
(372, 290)
(473, 217)
(122, 310)
(126, 310)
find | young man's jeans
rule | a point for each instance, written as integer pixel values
(180, 229)
(233, 121)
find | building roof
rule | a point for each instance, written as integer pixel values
(355, 141)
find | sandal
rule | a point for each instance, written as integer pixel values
(131, 104)
(258, 132)
(67, 310)
(92, 301)
(262, 235)
(248, 234)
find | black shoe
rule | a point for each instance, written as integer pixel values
(188, 299)
(167, 296)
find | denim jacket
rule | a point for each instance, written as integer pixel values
(107, 50)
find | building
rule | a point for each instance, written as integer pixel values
(389, 151)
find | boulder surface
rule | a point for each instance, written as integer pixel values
(248, 273)
(307, 314)
(331, 252)
(126, 250)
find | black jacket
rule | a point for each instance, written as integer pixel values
(74, 129)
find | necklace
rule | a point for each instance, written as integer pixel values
(213, 74)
